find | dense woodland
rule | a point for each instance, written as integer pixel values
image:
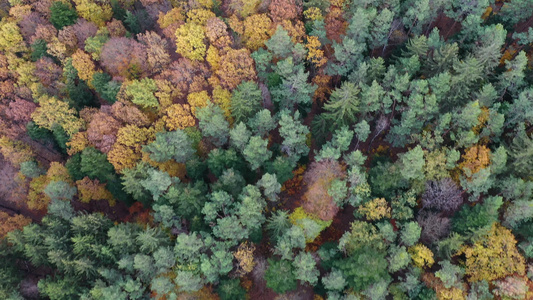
(277, 149)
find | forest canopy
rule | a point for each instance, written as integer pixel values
(276, 149)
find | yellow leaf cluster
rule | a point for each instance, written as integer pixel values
(315, 55)
(52, 111)
(190, 41)
(58, 172)
(236, 66)
(257, 30)
(37, 200)
(244, 7)
(197, 100)
(93, 12)
(93, 190)
(166, 91)
(77, 143)
(26, 71)
(11, 39)
(123, 157)
(178, 116)
(213, 58)
(376, 209)
(15, 152)
(83, 63)
(222, 98)
(200, 16)
(132, 136)
(421, 256)
(236, 25)
(313, 14)
(127, 149)
(173, 16)
(245, 257)
(206, 3)
(475, 159)
(493, 256)
(296, 30)
(172, 167)
(19, 12)
(299, 214)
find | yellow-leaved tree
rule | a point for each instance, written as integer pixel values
(190, 41)
(53, 111)
(493, 256)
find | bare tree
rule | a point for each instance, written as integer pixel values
(434, 227)
(443, 195)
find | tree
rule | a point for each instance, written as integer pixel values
(157, 182)
(294, 88)
(190, 41)
(178, 116)
(516, 11)
(270, 185)
(98, 14)
(493, 256)
(443, 195)
(294, 135)
(334, 281)
(413, 164)
(279, 276)
(398, 259)
(262, 123)
(410, 233)
(213, 124)
(478, 216)
(343, 105)
(434, 227)
(170, 145)
(11, 40)
(318, 179)
(257, 29)
(256, 152)
(305, 268)
(278, 223)
(10, 223)
(246, 101)
(101, 132)
(363, 269)
(229, 228)
(83, 64)
(188, 281)
(239, 136)
(236, 66)
(450, 274)
(293, 238)
(219, 160)
(31, 169)
(231, 289)
(375, 209)
(141, 92)
(280, 43)
(421, 256)
(156, 50)
(219, 263)
(57, 190)
(94, 44)
(95, 165)
(62, 14)
(521, 151)
(52, 111)
(121, 56)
